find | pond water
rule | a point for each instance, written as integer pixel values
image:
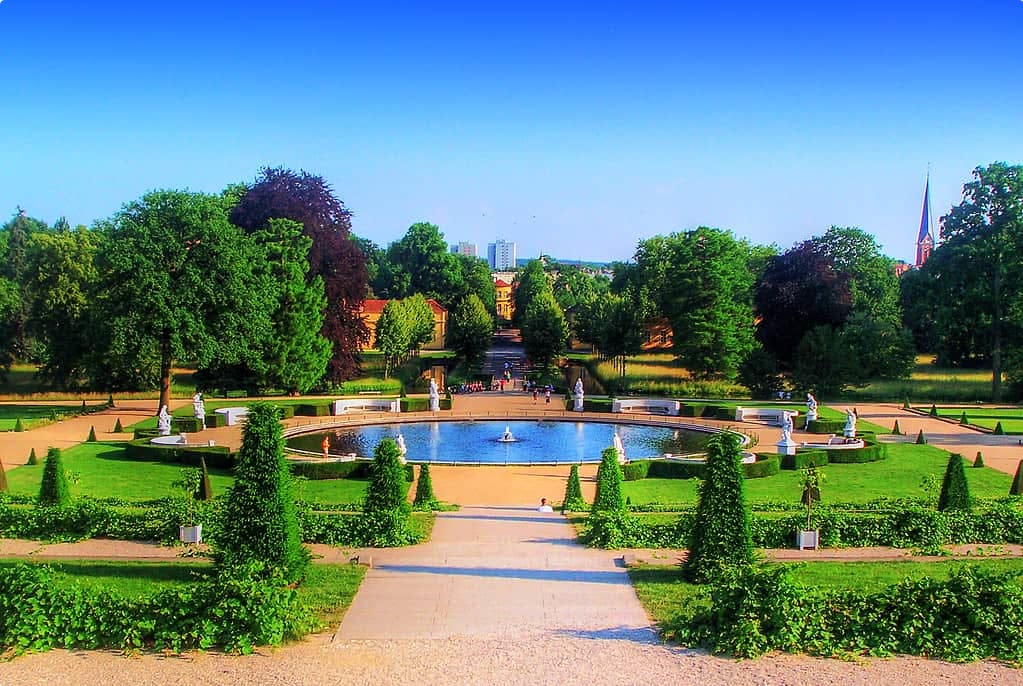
(479, 442)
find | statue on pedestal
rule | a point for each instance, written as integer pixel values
(434, 396)
(199, 408)
(163, 423)
(811, 408)
(850, 424)
(578, 395)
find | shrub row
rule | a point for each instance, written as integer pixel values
(324, 409)
(972, 615)
(914, 527)
(767, 464)
(320, 471)
(826, 426)
(217, 456)
(707, 411)
(234, 613)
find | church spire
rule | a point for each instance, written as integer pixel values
(925, 237)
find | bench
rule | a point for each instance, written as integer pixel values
(366, 405)
(762, 414)
(232, 414)
(648, 405)
(370, 392)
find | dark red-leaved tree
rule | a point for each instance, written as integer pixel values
(280, 193)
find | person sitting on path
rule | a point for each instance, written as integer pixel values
(544, 507)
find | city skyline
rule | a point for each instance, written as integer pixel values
(574, 130)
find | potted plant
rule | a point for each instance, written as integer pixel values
(189, 484)
(809, 538)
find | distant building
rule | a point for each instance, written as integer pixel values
(373, 308)
(925, 236)
(465, 248)
(505, 301)
(501, 255)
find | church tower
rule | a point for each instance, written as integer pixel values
(925, 237)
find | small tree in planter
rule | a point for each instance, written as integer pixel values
(54, 490)
(190, 483)
(810, 537)
(955, 493)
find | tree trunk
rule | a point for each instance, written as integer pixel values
(165, 371)
(996, 335)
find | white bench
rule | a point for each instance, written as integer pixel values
(761, 414)
(233, 414)
(650, 405)
(348, 405)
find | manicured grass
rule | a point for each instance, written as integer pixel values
(929, 383)
(326, 591)
(670, 600)
(898, 476)
(33, 415)
(22, 381)
(100, 470)
(661, 374)
(987, 417)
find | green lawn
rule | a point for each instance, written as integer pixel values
(326, 591)
(669, 599)
(100, 470)
(898, 476)
(929, 383)
(33, 415)
(987, 417)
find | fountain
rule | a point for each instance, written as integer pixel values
(507, 437)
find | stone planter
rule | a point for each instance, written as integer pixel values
(808, 540)
(190, 534)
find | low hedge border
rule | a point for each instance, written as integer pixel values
(767, 464)
(217, 456)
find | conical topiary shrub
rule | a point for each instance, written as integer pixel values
(18, 426)
(999, 431)
(955, 492)
(963, 420)
(386, 506)
(920, 438)
(609, 496)
(979, 461)
(32, 459)
(110, 399)
(905, 404)
(424, 489)
(897, 430)
(92, 435)
(3, 480)
(1017, 482)
(54, 490)
(573, 501)
(118, 429)
(934, 411)
(205, 491)
(721, 535)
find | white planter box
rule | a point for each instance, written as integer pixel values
(190, 534)
(807, 540)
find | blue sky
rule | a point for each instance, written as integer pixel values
(575, 129)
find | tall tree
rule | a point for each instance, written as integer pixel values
(420, 263)
(986, 231)
(178, 278)
(471, 331)
(334, 257)
(529, 282)
(393, 335)
(419, 316)
(15, 269)
(544, 329)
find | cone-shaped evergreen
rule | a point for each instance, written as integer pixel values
(955, 493)
(386, 506)
(905, 404)
(963, 420)
(54, 488)
(110, 400)
(18, 426)
(205, 488)
(118, 429)
(3, 480)
(721, 534)
(999, 431)
(934, 411)
(32, 459)
(896, 429)
(424, 488)
(1017, 482)
(609, 496)
(573, 501)
(920, 438)
(260, 524)
(979, 462)
(92, 435)
(83, 405)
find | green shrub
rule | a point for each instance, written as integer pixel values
(313, 410)
(955, 493)
(963, 420)
(596, 404)
(573, 501)
(32, 459)
(54, 490)
(386, 507)
(185, 425)
(205, 488)
(18, 426)
(722, 534)
(92, 435)
(870, 452)
(825, 426)
(216, 456)
(424, 489)
(609, 496)
(999, 431)
(662, 469)
(3, 480)
(415, 404)
(1017, 481)
(319, 471)
(635, 471)
(920, 438)
(934, 411)
(215, 420)
(896, 429)
(767, 464)
(118, 429)
(979, 461)
(804, 459)
(260, 524)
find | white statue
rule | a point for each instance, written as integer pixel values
(850, 424)
(786, 427)
(434, 396)
(811, 408)
(163, 424)
(199, 408)
(401, 447)
(578, 395)
(619, 446)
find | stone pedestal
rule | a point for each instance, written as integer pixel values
(786, 446)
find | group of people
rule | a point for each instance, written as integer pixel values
(469, 387)
(537, 389)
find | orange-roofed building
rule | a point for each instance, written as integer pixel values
(505, 303)
(373, 308)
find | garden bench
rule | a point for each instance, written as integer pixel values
(232, 414)
(369, 392)
(761, 414)
(648, 405)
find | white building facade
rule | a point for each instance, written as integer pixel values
(502, 255)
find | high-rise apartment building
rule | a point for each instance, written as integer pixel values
(501, 255)
(465, 248)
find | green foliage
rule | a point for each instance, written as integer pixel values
(386, 506)
(32, 459)
(963, 421)
(609, 497)
(970, 616)
(955, 492)
(897, 430)
(920, 438)
(393, 335)
(999, 431)
(722, 535)
(313, 410)
(544, 329)
(260, 521)
(573, 501)
(217, 456)
(471, 331)
(92, 435)
(933, 411)
(3, 480)
(205, 491)
(1017, 481)
(424, 489)
(759, 373)
(18, 426)
(978, 462)
(117, 426)
(905, 404)
(54, 490)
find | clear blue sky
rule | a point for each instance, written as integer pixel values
(575, 129)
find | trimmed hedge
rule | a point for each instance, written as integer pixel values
(217, 456)
(594, 404)
(826, 426)
(313, 409)
(767, 464)
(871, 452)
(805, 458)
(185, 425)
(324, 471)
(414, 404)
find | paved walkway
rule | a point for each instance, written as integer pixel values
(496, 571)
